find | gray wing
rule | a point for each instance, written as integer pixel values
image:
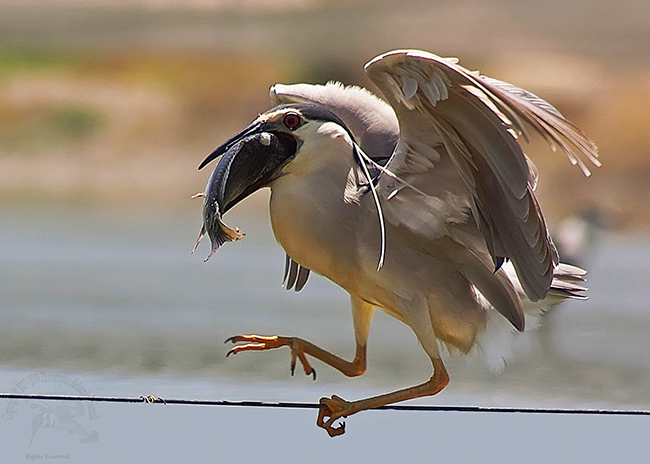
(459, 150)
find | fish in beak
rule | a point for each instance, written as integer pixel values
(246, 163)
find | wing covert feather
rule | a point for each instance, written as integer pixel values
(475, 123)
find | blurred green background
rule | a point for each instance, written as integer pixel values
(117, 101)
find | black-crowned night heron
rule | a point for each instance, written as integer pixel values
(424, 209)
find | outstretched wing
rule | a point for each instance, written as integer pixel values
(459, 148)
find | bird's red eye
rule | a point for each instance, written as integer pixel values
(292, 121)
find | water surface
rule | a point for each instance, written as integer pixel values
(116, 298)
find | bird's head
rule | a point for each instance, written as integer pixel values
(258, 155)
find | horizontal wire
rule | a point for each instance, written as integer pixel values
(295, 405)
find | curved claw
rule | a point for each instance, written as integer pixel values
(246, 347)
(260, 342)
(335, 431)
(332, 409)
(313, 372)
(293, 371)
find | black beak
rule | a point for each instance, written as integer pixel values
(252, 129)
(248, 161)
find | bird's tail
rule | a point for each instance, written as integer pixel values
(568, 282)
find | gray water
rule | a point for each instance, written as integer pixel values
(112, 303)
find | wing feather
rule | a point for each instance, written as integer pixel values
(451, 117)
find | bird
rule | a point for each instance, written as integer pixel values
(421, 204)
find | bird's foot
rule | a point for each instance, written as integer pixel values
(332, 409)
(261, 342)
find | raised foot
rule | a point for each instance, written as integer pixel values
(262, 342)
(332, 409)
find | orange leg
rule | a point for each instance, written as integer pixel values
(415, 313)
(299, 349)
(335, 407)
